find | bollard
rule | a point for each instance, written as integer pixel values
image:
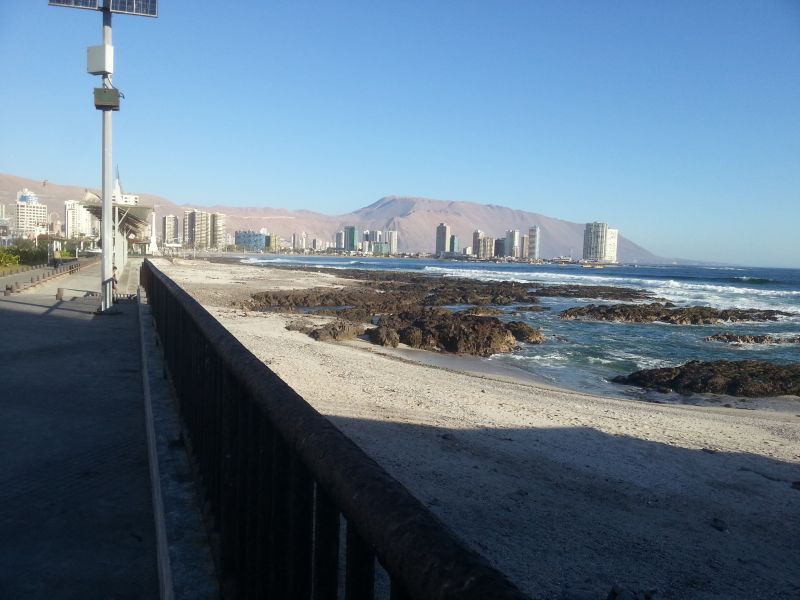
(6, 292)
(60, 294)
(16, 286)
(33, 279)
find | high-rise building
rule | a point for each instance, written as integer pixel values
(534, 235)
(486, 247)
(442, 238)
(524, 242)
(169, 229)
(249, 240)
(455, 246)
(512, 247)
(218, 237)
(499, 247)
(339, 242)
(78, 221)
(612, 237)
(390, 237)
(350, 238)
(196, 229)
(30, 216)
(476, 241)
(600, 243)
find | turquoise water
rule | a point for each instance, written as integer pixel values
(584, 356)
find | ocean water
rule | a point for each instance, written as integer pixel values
(584, 356)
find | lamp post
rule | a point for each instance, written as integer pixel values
(100, 61)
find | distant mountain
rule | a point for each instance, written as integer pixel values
(415, 220)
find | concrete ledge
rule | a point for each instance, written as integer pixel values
(185, 564)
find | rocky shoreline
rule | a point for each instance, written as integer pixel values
(745, 378)
(668, 313)
(733, 338)
(390, 308)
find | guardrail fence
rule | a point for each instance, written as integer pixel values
(295, 508)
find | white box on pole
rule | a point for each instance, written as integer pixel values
(100, 59)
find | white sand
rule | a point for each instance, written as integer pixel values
(567, 493)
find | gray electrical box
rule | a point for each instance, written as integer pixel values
(106, 98)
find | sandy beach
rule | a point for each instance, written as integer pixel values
(569, 494)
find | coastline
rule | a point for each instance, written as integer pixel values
(565, 492)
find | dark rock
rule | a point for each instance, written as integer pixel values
(666, 313)
(336, 331)
(719, 524)
(733, 338)
(300, 325)
(599, 292)
(440, 329)
(482, 311)
(384, 336)
(747, 378)
(525, 333)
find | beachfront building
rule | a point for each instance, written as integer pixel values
(203, 230)
(600, 243)
(169, 229)
(534, 237)
(195, 229)
(30, 216)
(454, 245)
(499, 247)
(350, 238)
(219, 234)
(512, 248)
(78, 221)
(524, 241)
(339, 240)
(390, 237)
(272, 242)
(477, 235)
(249, 241)
(442, 238)
(486, 247)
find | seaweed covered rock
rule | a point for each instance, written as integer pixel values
(336, 331)
(733, 338)
(440, 329)
(525, 333)
(667, 313)
(482, 311)
(384, 336)
(747, 378)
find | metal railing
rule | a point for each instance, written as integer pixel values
(278, 481)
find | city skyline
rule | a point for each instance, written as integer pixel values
(686, 110)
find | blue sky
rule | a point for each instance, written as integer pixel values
(677, 122)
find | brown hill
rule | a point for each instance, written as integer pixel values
(415, 219)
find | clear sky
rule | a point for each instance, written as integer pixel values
(677, 122)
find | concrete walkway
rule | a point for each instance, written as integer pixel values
(76, 518)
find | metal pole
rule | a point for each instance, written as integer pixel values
(108, 244)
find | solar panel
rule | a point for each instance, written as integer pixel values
(145, 8)
(91, 4)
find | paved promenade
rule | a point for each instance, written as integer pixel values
(76, 517)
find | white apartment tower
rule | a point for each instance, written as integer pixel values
(513, 243)
(600, 243)
(390, 237)
(442, 238)
(169, 229)
(78, 221)
(534, 236)
(30, 217)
